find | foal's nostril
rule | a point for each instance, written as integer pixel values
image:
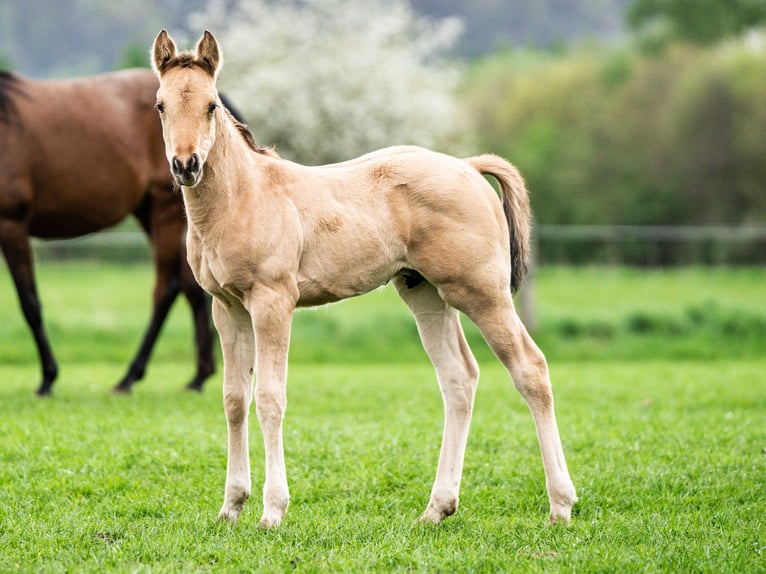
(193, 163)
(178, 165)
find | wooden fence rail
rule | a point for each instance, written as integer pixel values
(650, 233)
(625, 233)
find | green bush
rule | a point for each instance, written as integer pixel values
(620, 137)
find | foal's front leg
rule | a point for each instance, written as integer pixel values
(272, 309)
(238, 346)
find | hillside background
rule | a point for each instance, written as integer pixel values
(71, 37)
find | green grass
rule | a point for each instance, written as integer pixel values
(668, 459)
(667, 452)
(583, 314)
(692, 313)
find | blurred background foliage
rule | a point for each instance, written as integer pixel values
(619, 136)
(697, 21)
(665, 128)
(628, 112)
(328, 80)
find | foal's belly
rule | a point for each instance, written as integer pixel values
(343, 283)
(359, 254)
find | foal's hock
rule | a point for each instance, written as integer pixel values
(267, 235)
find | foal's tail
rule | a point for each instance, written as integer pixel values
(516, 208)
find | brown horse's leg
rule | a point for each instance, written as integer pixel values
(168, 232)
(14, 241)
(166, 288)
(162, 218)
(199, 301)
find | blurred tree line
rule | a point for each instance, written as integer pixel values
(697, 21)
(624, 137)
(669, 130)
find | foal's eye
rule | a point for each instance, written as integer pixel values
(211, 108)
(160, 107)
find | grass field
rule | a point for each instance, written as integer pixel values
(662, 413)
(588, 314)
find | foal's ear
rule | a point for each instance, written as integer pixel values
(209, 54)
(163, 51)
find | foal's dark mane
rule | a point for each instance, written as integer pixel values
(189, 60)
(249, 137)
(9, 86)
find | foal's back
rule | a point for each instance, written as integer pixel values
(365, 220)
(80, 154)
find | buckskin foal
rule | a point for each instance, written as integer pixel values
(267, 235)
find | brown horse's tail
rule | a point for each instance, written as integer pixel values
(516, 208)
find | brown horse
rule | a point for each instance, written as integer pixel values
(79, 156)
(267, 235)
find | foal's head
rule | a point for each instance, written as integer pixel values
(187, 101)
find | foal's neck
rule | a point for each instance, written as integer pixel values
(229, 165)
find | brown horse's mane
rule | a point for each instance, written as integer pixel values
(190, 60)
(9, 86)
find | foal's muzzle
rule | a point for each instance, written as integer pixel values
(187, 173)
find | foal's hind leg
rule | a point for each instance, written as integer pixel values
(504, 332)
(458, 374)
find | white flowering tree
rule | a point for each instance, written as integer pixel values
(327, 80)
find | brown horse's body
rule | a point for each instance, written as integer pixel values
(267, 235)
(79, 156)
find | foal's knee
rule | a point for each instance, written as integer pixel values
(270, 405)
(236, 403)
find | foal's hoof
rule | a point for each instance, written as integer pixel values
(122, 390)
(561, 516)
(561, 511)
(194, 386)
(228, 516)
(439, 508)
(433, 516)
(269, 522)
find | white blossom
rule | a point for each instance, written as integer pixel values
(327, 80)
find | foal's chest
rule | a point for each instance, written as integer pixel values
(219, 278)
